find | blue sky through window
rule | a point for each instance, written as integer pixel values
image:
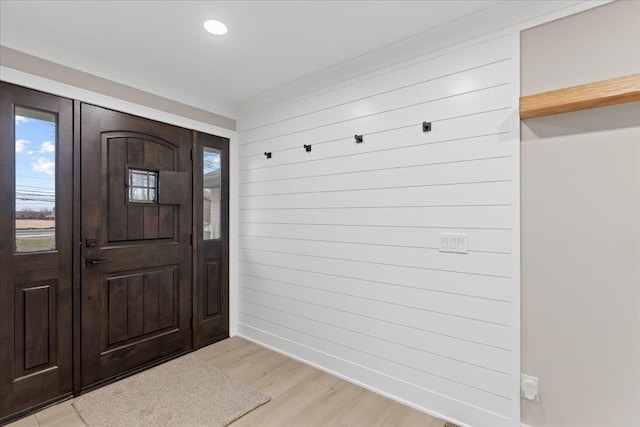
(211, 160)
(35, 134)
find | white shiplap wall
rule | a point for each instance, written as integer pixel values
(337, 249)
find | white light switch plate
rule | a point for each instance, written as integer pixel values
(454, 242)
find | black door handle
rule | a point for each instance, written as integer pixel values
(97, 261)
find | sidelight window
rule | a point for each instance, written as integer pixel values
(211, 166)
(35, 184)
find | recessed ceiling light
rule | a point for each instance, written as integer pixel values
(215, 27)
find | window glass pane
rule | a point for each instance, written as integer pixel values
(139, 179)
(140, 194)
(142, 186)
(211, 193)
(35, 201)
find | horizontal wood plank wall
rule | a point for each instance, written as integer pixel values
(338, 247)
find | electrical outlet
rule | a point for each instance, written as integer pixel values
(529, 388)
(454, 242)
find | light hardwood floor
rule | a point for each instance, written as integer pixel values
(300, 394)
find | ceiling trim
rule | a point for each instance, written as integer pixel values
(30, 64)
(488, 22)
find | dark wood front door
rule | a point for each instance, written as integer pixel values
(136, 216)
(36, 172)
(211, 216)
(102, 222)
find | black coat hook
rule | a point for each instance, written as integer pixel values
(268, 154)
(307, 148)
(426, 126)
(359, 139)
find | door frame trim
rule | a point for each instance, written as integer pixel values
(76, 252)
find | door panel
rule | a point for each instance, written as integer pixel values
(36, 169)
(211, 216)
(136, 257)
(38, 343)
(212, 288)
(140, 303)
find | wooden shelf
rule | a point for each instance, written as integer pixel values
(592, 95)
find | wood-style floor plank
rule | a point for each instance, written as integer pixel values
(30, 421)
(282, 378)
(301, 395)
(259, 369)
(280, 411)
(404, 416)
(328, 409)
(371, 410)
(62, 415)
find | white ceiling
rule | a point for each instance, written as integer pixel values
(161, 47)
